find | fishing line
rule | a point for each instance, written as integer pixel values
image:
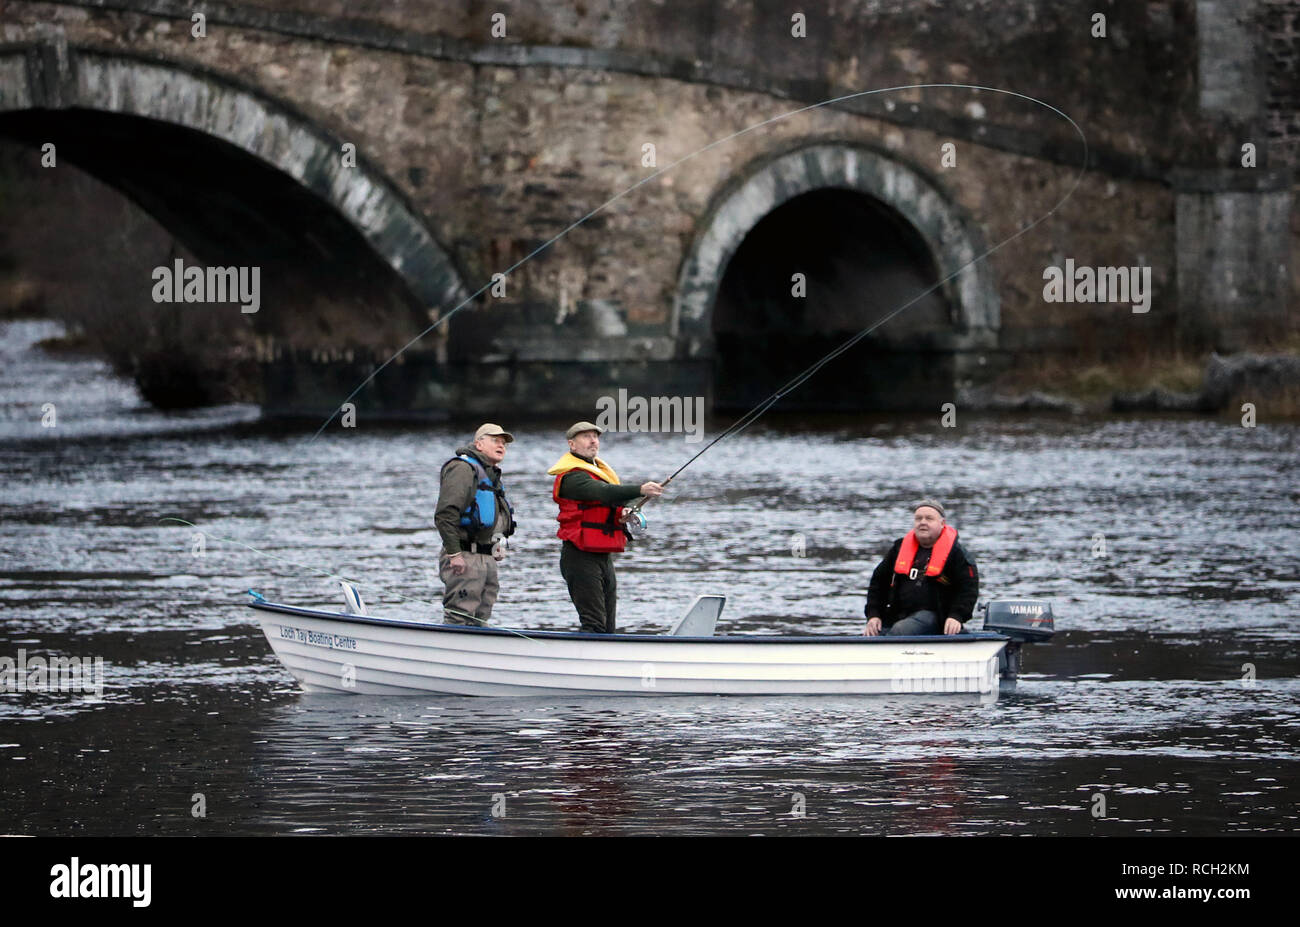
(753, 415)
(758, 125)
(750, 417)
(326, 573)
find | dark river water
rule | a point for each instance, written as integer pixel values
(1167, 703)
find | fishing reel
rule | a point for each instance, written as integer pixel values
(634, 524)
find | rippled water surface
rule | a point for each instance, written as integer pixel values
(1168, 546)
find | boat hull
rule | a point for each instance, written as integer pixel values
(368, 655)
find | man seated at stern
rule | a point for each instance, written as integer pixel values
(926, 583)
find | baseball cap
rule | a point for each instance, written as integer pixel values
(490, 430)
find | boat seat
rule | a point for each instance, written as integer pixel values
(701, 618)
(352, 599)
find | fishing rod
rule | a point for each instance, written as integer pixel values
(634, 522)
(632, 513)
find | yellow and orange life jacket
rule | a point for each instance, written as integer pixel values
(591, 526)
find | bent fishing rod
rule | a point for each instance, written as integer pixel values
(632, 514)
(635, 522)
(632, 518)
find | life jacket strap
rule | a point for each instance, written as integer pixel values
(471, 518)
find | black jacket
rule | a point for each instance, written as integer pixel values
(958, 586)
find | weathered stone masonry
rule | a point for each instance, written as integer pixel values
(474, 151)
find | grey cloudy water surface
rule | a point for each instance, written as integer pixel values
(1143, 698)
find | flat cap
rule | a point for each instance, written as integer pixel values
(579, 427)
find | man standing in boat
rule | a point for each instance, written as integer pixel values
(927, 583)
(591, 498)
(473, 518)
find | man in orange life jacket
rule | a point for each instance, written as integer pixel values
(591, 498)
(926, 584)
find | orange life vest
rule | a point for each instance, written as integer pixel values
(938, 554)
(591, 526)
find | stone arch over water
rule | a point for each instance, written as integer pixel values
(225, 168)
(870, 234)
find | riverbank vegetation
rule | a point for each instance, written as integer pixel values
(1166, 378)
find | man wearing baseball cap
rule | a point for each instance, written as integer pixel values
(473, 519)
(927, 584)
(591, 498)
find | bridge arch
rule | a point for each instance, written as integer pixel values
(869, 232)
(176, 104)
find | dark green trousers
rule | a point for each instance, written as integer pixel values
(592, 587)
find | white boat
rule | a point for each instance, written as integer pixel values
(360, 653)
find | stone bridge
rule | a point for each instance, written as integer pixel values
(403, 154)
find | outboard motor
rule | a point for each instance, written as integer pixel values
(1025, 621)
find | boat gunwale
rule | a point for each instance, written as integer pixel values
(947, 639)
